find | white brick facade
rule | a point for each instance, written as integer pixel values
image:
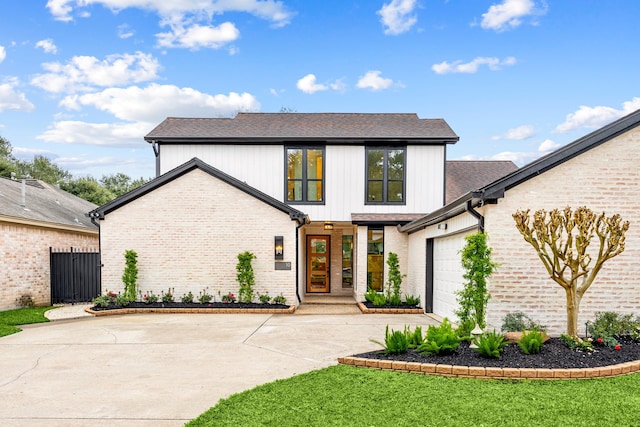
(188, 233)
(24, 258)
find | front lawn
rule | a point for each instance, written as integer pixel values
(348, 396)
(21, 316)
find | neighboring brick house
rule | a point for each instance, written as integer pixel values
(35, 216)
(229, 185)
(600, 170)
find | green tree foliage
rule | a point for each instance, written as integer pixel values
(130, 275)
(245, 276)
(562, 239)
(88, 188)
(120, 183)
(43, 169)
(476, 261)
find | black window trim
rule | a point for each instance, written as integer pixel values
(305, 181)
(385, 178)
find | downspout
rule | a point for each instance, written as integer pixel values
(298, 227)
(476, 214)
(93, 216)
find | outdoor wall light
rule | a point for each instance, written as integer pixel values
(279, 247)
(442, 226)
(328, 225)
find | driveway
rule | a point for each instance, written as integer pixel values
(166, 369)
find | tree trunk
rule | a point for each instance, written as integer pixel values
(573, 307)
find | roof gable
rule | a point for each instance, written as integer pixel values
(185, 168)
(44, 203)
(263, 127)
(496, 189)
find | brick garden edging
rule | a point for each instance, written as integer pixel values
(492, 373)
(366, 310)
(289, 310)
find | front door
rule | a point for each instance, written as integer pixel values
(318, 263)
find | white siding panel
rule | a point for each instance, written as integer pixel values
(260, 166)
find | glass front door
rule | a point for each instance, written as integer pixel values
(318, 263)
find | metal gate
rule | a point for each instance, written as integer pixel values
(75, 275)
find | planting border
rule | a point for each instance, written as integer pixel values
(366, 310)
(161, 310)
(493, 373)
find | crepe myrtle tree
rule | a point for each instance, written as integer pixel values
(562, 241)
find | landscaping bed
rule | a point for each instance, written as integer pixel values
(182, 307)
(369, 308)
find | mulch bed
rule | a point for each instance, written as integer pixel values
(370, 305)
(554, 355)
(211, 305)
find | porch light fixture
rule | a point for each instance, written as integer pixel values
(279, 247)
(328, 225)
(442, 226)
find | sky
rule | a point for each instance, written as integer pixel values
(83, 81)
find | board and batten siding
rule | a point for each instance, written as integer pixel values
(263, 167)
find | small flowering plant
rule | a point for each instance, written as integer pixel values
(228, 298)
(149, 297)
(167, 296)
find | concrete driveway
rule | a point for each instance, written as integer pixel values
(166, 369)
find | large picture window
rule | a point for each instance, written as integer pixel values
(375, 258)
(385, 175)
(305, 175)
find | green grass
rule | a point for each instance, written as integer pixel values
(21, 316)
(348, 396)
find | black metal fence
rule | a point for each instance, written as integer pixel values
(75, 275)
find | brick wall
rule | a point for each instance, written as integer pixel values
(24, 260)
(188, 234)
(606, 178)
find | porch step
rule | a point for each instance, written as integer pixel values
(328, 309)
(328, 300)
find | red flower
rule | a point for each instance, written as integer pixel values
(600, 340)
(617, 347)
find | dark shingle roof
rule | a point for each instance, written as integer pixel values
(43, 202)
(304, 126)
(467, 175)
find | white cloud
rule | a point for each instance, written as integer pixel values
(48, 46)
(22, 153)
(3, 53)
(133, 103)
(308, 84)
(509, 14)
(197, 36)
(519, 133)
(596, 117)
(493, 63)
(83, 73)
(11, 98)
(372, 80)
(189, 21)
(125, 31)
(100, 134)
(520, 158)
(397, 16)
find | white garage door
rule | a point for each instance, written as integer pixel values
(447, 274)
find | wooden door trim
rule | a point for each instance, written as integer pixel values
(327, 239)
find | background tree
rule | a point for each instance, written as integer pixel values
(562, 239)
(8, 163)
(89, 189)
(120, 183)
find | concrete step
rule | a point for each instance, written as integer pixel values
(328, 300)
(328, 309)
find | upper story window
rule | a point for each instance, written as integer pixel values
(386, 175)
(305, 175)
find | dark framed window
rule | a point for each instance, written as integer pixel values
(375, 258)
(305, 174)
(386, 175)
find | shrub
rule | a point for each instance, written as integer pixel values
(410, 300)
(476, 261)
(279, 299)
(122, 300)
(531, 341)
(130, 275)
(380, 300)
(168, 296)
(518, 322)
(415, 337)
(440, 339)
(370, 296)
(609, 326)
(394, 281)
(245, 276)
(464, 329)
(395, 342)
(264, 298)
(204, 297)
(149, 297)
(187, 298)
(25, 301)
(490, 344)
(229, 298)
(102, 301)
(577, 344)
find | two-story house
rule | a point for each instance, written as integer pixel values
(318, 199)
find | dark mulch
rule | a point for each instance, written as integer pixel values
(554, 354)
(193, 305)
(403, 305)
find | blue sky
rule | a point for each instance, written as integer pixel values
(82, 81)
